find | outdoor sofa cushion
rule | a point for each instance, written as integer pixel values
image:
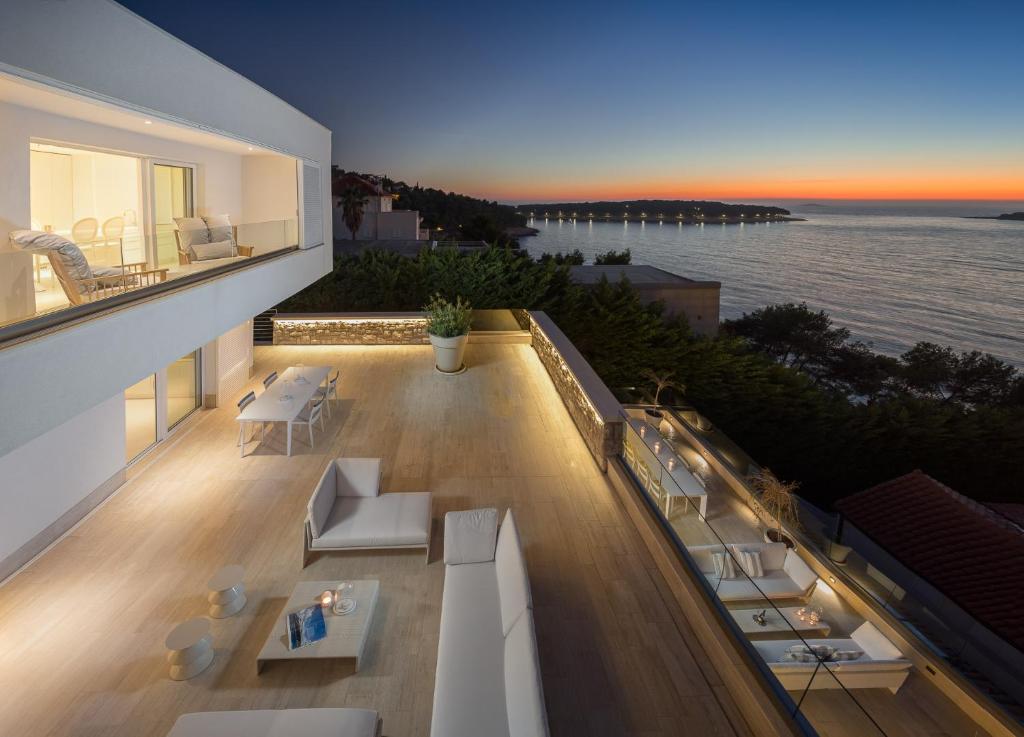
(524, 692)
(208, 251)
(219, 227)
(470, 536)
(388, 520)
(510, 569)
(277, 723)
(70, 255)
(469, 684)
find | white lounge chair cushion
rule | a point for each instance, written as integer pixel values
(277, 723)
(209, 251)
(322, 501)
(219, 227)
(357, 476)
(470, 536)
(773, 584)
(469, 685)
(70, 255)
(524, 692)
(191, 232)
(510, 568)
(388, 520)
(874, 643)
(798, 571)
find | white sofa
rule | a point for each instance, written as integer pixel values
(786, 576)
(279, 723)
(881, 666)
(488, 681)
(348, 512)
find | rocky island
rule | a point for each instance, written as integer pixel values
(1004, 216)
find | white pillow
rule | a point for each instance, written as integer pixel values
(219, 227)
(470, 536)
(207, 251)
(510, 568)
(846, 654)
(191, 231)
(724, 568)
(751, 562)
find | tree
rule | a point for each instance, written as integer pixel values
(661, 383)
(791, 334)
(972, 378)
(614, 258)
(353, 201)
(573, 258)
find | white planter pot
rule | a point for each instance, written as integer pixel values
(448, 353)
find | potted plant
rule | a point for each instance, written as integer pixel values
(655, 417)
(778, 500)
(448, 329)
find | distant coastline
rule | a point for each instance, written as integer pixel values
(657, 211)
(1005, 216)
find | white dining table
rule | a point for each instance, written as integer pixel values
(287, 397)
(678, 481)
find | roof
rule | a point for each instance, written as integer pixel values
(970, 553)
(638, 275)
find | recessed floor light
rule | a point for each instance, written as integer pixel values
(148, 122)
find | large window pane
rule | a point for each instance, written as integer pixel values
(140, 416)
(172, 187)
(182, 388)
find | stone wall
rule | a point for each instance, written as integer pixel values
(381, 329)
(596, 412)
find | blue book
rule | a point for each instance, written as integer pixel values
(306, 626)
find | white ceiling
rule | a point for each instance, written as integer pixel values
(69, 105)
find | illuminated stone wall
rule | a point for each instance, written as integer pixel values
(399, 329)
(596, 412)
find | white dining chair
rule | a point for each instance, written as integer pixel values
(328, 392)
(271, 378)
(242, 404)
(310, 416)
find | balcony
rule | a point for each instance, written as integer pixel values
(89, 617)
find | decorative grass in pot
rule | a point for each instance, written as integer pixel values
(448, 328)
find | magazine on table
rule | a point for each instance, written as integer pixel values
(305, 627)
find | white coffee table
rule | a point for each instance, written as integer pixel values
(775, 626)
(346, 634)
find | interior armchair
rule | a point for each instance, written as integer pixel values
(207, 238)
(81, 283)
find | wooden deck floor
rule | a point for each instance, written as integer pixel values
(82, 629)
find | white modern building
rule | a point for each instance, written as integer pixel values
(107, 152)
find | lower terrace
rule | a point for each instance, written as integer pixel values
(87, 620)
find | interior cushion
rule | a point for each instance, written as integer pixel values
(524, 692)
(207, 251)
(322, 501)
(277, 723)
(381, 521)
(219, 227)
(874, 643)
(469, 684)
(510, 569)
(470, 536)
(191, 231)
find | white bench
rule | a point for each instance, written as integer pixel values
(348, 512)
(881, 666)
(279, 723)
(488, 681)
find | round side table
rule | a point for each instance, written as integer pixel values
(227, 592)
(190, 649)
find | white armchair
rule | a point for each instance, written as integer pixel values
(348, 512)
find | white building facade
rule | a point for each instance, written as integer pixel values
(128, 135)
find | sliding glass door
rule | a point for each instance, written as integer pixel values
(140, 417)
(182, 388)
(172, 198)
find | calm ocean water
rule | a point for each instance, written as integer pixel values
(893, 273)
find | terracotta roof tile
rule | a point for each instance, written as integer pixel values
(970, 553)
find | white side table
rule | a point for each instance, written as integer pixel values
(190, 648)
(227, 592)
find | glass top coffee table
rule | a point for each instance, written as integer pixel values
(777, 627)
(346, 634)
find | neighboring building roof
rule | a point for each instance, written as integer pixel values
(638, 275)
(970, 553)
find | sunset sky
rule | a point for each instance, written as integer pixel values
(531, 102)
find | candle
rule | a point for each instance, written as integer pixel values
(657, 446)
(671, 464)
(643, 431)
(327, 599)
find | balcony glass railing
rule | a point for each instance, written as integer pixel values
(38, 282)
(816, 652)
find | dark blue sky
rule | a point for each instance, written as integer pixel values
(556, 101)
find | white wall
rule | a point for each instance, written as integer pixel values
(270, 189)
(234, 362)
(47, 476)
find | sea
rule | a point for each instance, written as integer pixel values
(893, 273)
